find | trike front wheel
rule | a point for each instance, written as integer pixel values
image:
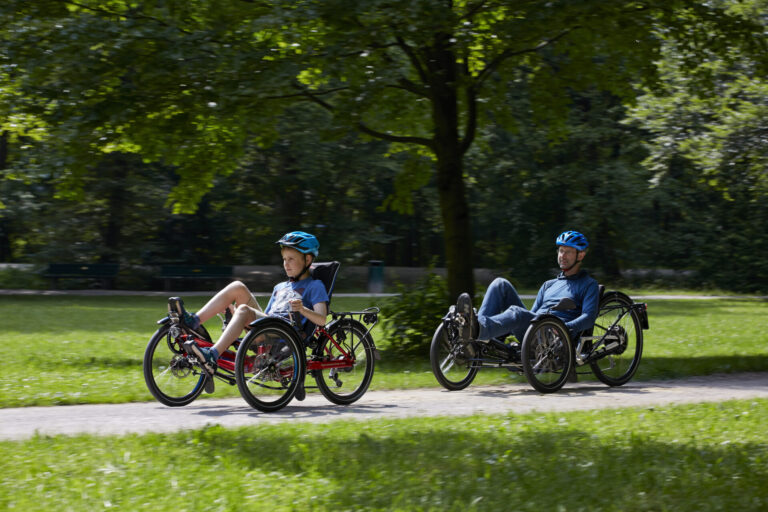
(452, 363)
(171, 378)
(547, 355)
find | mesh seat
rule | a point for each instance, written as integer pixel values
(325, 272)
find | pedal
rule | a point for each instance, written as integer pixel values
(189, 348)
(209, 384)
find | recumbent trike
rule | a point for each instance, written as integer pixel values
(273, 358)
(547, 355)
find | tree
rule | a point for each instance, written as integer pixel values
(190, 82)
(707, 130)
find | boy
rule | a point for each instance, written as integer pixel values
(300, 295)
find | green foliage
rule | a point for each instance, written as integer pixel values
(411, 317)
(194, 92)
(707, 152)
(20, 279)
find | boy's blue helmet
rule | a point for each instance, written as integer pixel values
(301, 241)
(573, 239)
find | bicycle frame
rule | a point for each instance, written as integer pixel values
(226, 364)
(602, 347)
(367, 316)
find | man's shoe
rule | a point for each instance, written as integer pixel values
(176, 311)
(514, 351)
(301, 393)
(206, 356)
(466, 312)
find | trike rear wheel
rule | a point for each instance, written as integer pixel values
(547, 355)
(345, 385)
(171, 378)
(269, 366)
(452, 363)
(621, 326)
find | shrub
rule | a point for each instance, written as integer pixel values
(409, 319)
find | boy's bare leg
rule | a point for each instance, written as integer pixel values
(235, 292)
(243, 316)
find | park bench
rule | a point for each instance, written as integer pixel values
(104, 272)
(187, 272)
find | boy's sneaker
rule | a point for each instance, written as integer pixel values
(206, 356)
(176, 311)
(468, 329)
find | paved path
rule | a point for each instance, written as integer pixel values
(21, 423)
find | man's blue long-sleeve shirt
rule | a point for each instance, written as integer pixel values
(580, 287)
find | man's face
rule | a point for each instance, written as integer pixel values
(567, 256)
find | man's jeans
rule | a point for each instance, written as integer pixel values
(502, 312)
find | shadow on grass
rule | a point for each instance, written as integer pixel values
(549, 469)
(85, 363)
(699, 308)
(652, 368)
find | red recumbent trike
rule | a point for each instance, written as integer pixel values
(273, 358)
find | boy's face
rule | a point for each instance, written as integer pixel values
(294, 262)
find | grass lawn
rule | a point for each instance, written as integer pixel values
(75, 349)
(702, 457)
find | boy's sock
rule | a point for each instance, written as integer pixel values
(193, 321)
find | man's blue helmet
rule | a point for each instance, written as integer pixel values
(573, 239)
(301, 241)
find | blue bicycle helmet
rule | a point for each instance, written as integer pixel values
(573, 239)
(301, 241)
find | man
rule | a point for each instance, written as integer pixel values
(503, 312)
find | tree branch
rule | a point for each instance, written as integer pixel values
(407, 85)
(473, 9)
(412, 57)
(471, 126)
(314, 97)
(395, 138)
(500, 58)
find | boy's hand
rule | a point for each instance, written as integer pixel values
(296, 305)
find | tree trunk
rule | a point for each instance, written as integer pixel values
(450, 171)
(457, 232)
(115, 168)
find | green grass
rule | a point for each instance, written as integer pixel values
(703, 457)
(76, 349)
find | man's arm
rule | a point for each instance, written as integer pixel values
(539, 298)
(589, 307)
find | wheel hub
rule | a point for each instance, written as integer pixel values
(180, 366)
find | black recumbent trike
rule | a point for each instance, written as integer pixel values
(547, 355)
(270, 362)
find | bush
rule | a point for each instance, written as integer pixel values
(409, 319)
(15, 278)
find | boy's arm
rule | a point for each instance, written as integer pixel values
(318, 315)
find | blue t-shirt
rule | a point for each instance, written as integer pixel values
(310, 291)
(580, 287)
